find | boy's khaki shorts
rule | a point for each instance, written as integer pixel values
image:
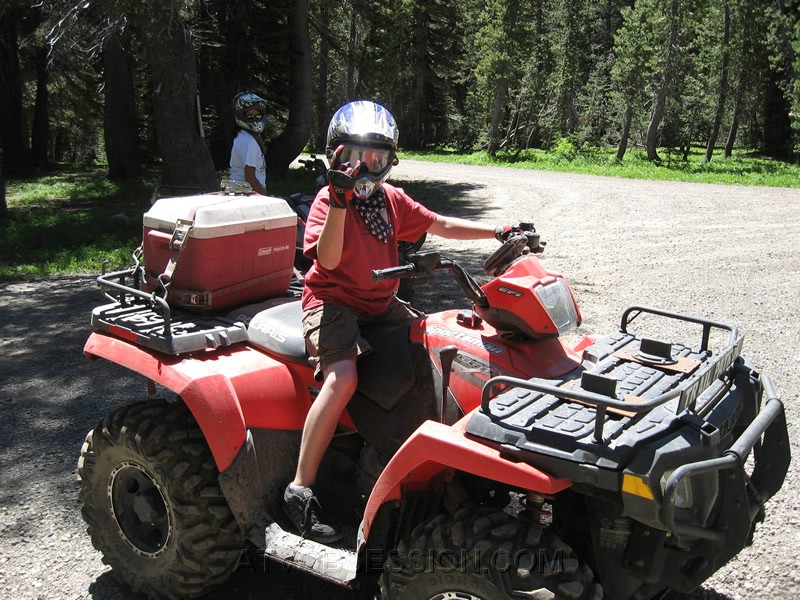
(333, 331)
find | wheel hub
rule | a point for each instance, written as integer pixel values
(455, 596)
(139, 508)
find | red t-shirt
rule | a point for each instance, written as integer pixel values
(351, 282)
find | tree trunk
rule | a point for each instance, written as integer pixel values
(777, 125)
(686, 147)
(660, 97)
(515, 126)
(323, 110)
(12, 138)
(5, 216)
(500, 91)
(119, 111)
(40, 131)
(416, 137)
(656, 116)
(185, 155)
(723, 84)
(351, 60)
(622, 147)
(734, 130)
(225, 73)
(283, 149)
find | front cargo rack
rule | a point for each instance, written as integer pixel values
(628, 389)
(147, 320)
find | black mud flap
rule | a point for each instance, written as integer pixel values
(396, 391)
(386, 374)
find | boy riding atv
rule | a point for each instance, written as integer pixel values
(482, 454)
(353, 228)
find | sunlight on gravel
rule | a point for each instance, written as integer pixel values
(724, 253)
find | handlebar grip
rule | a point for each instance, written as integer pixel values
(393, 273)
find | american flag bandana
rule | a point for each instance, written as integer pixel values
(370, 211)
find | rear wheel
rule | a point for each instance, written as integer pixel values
(152, 502)
(486, 555)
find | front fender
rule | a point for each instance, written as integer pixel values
(227, 391)
(434, 448)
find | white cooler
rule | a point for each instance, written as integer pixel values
(219, 250)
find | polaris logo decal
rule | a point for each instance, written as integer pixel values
(463, 337)
(277, 334)
(273, 250)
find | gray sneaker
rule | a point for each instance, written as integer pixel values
(304, 510)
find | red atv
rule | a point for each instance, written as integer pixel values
(482, 457)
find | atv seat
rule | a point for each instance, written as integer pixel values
(279, 331)
(385, 375)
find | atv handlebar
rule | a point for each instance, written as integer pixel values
(423, 265)
(422, 268)
(401, 272)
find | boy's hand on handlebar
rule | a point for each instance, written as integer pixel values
(502, 233)
(341, 180)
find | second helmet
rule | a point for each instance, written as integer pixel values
(244, 101)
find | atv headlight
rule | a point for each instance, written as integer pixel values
(557, 300)
(683, 491)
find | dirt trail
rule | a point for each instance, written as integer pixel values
(724, 253)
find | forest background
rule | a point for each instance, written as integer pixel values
(136, 85)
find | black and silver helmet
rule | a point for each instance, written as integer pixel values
(368, 133)
(244, 101)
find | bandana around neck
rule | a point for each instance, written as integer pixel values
(370, 211)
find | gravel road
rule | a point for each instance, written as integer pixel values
(724, 253)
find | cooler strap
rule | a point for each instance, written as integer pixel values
(180, 237)
(205, 299)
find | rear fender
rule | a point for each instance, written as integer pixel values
(434, 448)
(227, 391)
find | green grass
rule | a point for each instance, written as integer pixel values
(743, 168)
(63, 223)
(75, 184)
(67, 223)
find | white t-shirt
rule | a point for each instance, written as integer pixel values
(247, 152)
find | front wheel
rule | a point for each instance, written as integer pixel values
(485, 556)
(154, 509)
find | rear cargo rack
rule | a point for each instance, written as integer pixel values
(599, 391)
(146, 319)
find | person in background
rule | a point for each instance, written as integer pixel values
(248, 152)
(353, 227)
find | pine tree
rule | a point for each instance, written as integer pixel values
(636, 46)
(724, 76)
(501, 44)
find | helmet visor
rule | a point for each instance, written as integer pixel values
(375, 160)
(253, 117)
